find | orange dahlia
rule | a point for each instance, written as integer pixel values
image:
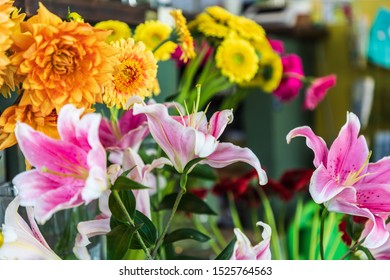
(27, 114)
(6, 25)
(185, 39)
(61, 62)
(136, 76)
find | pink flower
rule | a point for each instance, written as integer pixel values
(243, 249)
(383, 251)
(291, 83)
(189, 137)
(277, 45)
(317, 91)
(22, 242)
(69, 171)
(344, 180)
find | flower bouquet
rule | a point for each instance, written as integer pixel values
(139, 178)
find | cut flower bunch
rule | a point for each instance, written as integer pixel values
(143, 180)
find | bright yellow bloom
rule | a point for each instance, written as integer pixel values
(186, 41)
(269, 74)
(34, 118)
(152, 33)
(119, 29)
(209, 27)
(247, 28)
(6, 25)
(61, 62)
(237, 59)
(136, 76)
(219, 13)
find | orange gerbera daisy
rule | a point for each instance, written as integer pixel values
(6, 25)
(34, 118)
(61, 62)
(185, 39)
(136, 76)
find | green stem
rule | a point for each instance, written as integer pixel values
(175, 206)
(314, 235)
(160, 44)
(323, 217)
(234, 212)
(352, 249)
(218, 235)
(367, 252)
(131, 222)
(275, 246)
(297, 221)
(212, 242)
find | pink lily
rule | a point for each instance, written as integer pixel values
(316, 92)
(127, 132)
(383, 251)
(69, 171)
(344, 180)
(21, 241)
(189, 137)
(291, 83)
(243, 249)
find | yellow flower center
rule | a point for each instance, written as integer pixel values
(77, 172)
(63, 63)
(129, 76)
(238, 58)
(354, 177)
(1, 239)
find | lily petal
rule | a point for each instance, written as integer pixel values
(378, 172)
(262, 250)
(227, 153)
(242, 248)
(219, 121)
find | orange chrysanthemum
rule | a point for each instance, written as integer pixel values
(61, 62)
(34, 118)
(6, 25)
(136, 76)
(186, 41)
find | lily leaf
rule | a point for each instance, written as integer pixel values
(185, 233)
(188, 203)
(226, 254)
(128, 200)
(124, 183)
(118, 241)
(146, 229)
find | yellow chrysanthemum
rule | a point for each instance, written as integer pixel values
(6, 25)
(136, 76)
(237, 60)
(119, 29)
(209, 27)
(219, 13)
(186, 41)
(34, 118)
(269, 74)
(246, 28)
(62, 62)
(152, 33)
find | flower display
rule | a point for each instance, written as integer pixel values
(118, 174)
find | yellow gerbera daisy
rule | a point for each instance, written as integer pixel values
(269, 74)
(152, 33)
(237, 59)
(219, 13)
(246, 28)
(136, 76)
(186, 41)
(209, 27)
(62, 62)
(33, 117)
(6, 25)
(119, 29)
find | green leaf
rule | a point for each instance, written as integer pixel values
(185, 233)
(147, 230)
(125, 173)
(202, 171)
(227, 253)
(188, 203)
(118, 241)
(191, 164)
(128, 201)
(124, 183)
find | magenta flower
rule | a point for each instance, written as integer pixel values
(69, 171)
(21, 241)
(291, 82)
(345, 182)
(188, 137)
(127, 132)
(243, 250)
(383, 251)
(316, 92)
(277, 45)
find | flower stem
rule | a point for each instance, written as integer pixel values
(314, 236)
(174, 208)
(212, 242)
(352, 249)
(132, 223)
(160, 44)
(297, 221)
(234, 212)
(323, 217)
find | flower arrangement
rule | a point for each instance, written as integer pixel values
(142, 179)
